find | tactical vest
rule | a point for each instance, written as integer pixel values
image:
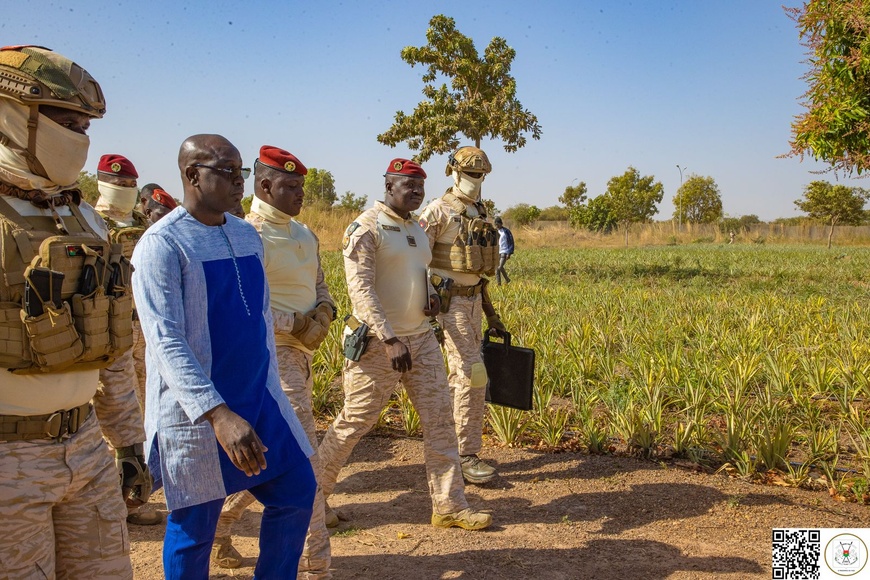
(475, 249)
(65, 298)
(127, 236)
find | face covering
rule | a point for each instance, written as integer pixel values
(62, 153)
(120, 198)
(468, 186)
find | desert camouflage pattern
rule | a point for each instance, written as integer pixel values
(368, 385)
(468, 158)
(462, 337)
(138, 351)
(61, 509)
(297, 381)
(116, 403)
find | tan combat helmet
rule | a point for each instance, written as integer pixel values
(33, 76)
(467, 159)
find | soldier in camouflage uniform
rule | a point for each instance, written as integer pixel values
(385, 259)
(59, 503)
(302, 310)
(464, 249)
(120, 397)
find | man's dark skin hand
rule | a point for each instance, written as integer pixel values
(238, 439)
(434, 306)
(397, 352)
(399, 355)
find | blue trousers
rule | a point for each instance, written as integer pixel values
(287, 501)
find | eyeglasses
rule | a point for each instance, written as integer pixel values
(230, 172)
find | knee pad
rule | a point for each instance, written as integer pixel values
(478, 375)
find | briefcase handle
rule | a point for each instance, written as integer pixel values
(507, 340)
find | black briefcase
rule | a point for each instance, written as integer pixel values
(511, 371)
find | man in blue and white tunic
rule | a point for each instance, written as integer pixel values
(216, 419)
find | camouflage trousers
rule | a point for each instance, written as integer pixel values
(116, 404)
(297, 381)
(368, 385)
(462, 337)
(139, 363)
(61, 509)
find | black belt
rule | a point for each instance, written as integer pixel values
(52, 426)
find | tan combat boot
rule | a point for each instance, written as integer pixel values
(330, 516)
(224, 555)
(467, 519)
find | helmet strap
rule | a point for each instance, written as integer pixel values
(32, 123)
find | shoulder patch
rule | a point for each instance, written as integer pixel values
(423, 223)
(347, 233)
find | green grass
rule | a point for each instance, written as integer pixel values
(754, 348)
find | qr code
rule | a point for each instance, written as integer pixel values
(796, 554)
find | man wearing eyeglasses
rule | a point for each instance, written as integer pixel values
(216, 419)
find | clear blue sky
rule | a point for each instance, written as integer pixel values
(710, 85)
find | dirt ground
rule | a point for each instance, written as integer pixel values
(556, 516)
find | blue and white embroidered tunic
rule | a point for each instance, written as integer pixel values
(203, 303)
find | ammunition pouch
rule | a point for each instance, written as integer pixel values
(82, 327)
(54, 341)
(14, 349)
(475, 249)
(91, 315)
(126, 236)
(120, 324)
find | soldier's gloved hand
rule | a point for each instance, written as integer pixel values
(136, 480)
(324, 313)
(495, 326)
(308, 330)
(315, 325)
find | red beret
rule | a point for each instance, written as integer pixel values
(405, 167)
(114, 164)
(281, 160)
(163, 199)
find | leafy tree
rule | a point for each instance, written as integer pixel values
(522, 213)
(834, 204)
(491, 210)
(319, 188)
(699, 200)
(836, 126)
(88, 186)
(633, 198)
(480, 101)
(351, 202)
(595, 216)
(246, 203)
(555, 213)
(573, 196)
(794, 221)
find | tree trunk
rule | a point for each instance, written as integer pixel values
(831, 233)
(626, 235)
(477, 142)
